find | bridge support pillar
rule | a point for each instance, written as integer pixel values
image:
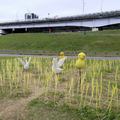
(2, 32)
(13, 29)
(26, 29)
(95, 29)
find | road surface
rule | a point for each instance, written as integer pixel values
(44, 56)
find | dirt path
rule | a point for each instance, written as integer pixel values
(15, 110)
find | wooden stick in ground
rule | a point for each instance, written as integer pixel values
(79, 80)
(80, 75)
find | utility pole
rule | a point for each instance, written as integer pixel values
(83, 10)
(83, 6)
(101, 7)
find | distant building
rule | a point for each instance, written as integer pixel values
(31, 16)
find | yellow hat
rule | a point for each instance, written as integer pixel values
(81, 55)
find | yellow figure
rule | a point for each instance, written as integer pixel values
(61, 60)
(61, 55)
(80, 62)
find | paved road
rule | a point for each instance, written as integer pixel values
(94, 58)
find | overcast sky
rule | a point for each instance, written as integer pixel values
(15, 9)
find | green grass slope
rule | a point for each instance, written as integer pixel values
(103, 42)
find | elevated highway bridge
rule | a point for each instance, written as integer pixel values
(74, 23)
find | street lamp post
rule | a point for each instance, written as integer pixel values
(49, 29)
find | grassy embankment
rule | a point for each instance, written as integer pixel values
(102, 43)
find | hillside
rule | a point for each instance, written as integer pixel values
(94, 43)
